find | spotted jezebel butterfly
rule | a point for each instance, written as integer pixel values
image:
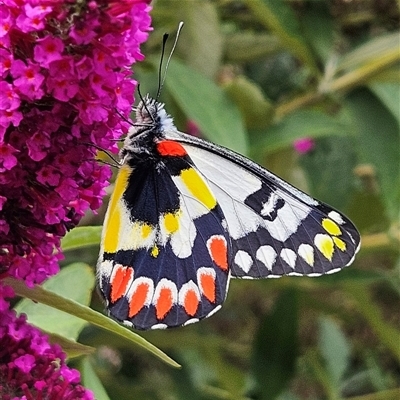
(186, 215)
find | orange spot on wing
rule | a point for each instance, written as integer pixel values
(170, 148)
(191, 302)
(120, 282)
(219, 251)
(164, 303)
(138, 299)
(207, 284)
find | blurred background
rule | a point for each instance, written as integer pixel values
(310, 90)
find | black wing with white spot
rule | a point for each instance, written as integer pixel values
(275, 228)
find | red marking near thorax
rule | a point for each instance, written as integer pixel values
(170, 148)
(120, 282)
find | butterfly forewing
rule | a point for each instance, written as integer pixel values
(150, 274)
(275, 229)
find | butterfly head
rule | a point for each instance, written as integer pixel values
(150, 125)
(152, 114)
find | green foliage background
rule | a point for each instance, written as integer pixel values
(255, 75)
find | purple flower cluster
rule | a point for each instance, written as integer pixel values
(30, 367)
(65, 90)
(64, 84)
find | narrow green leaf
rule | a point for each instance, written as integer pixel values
(81, 236)
(208, 105)
(75, 282)
(389, 95)
(69, 306)
(277, 16)
(91, 381)
(334, 348)
(370, 52)
(275, 348)
(72, 348)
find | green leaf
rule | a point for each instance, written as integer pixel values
(318, 25)
(300, 124)
(75, 282)
(249, 46)
(208, 105)
(378, 143)
(41, 295)
(275, 348)
(72, 348)
(81, 236)
(278, 17)
(334, 348)
(256, 109)
(91, 381)
(329, 169)
(201, 41)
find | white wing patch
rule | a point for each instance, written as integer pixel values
(243, 260)
(267, 255)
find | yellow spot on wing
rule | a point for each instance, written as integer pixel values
(331, 227)
(324, 244)
(171, 222)
(146, 230)
(112, 224)
(155, 251)
(198, 187)
(339, 243)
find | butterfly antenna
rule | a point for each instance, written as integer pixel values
(165, 37)
(164, 41)
(144, 103)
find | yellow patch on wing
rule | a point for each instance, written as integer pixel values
(113, 221)
(340, 243)
(171, 222)
(324, 244)
(155, 251)
(196, 185)
(146, 229)
(331, 227)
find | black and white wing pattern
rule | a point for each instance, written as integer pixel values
(275, 228)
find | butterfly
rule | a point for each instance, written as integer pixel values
(186, 215)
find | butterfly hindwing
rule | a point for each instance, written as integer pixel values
(165, 247)
(275, 229)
